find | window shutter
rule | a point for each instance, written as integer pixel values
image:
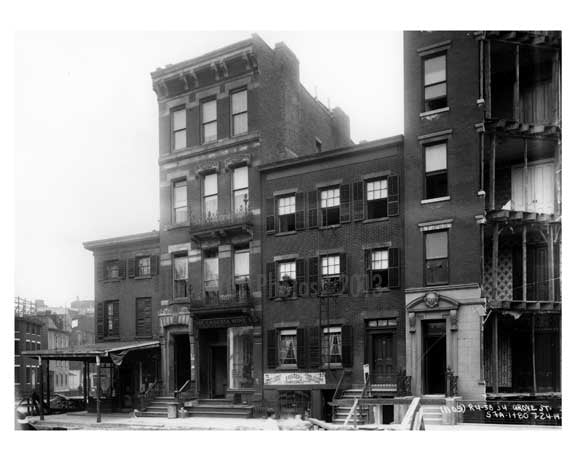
(131, 267)
(393, 268)
(345, 203)
(154, 263)
(343, 274)
(358, 201)
(272, 349)
(314, 349)
(100, 320)
(393, 196)
(301, 277)
(116, 319)
(223, 120)
(100, 271)
(313, 276)
(367, 268)
(300, 198)
(301, 358)
(270, 215)
(312, 209)
(122, 268)
(271, 279)
(347, 346)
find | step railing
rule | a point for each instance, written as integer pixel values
(354, 410)
(150, 393)
(178, 392)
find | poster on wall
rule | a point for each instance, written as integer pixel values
(294, 378)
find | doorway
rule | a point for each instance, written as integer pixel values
(434, 356)
(218, 371)
(181, 359)
(381, 353)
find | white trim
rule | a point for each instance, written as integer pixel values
(435, 200)
(434, 112)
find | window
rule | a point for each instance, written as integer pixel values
(180, 202)
(287, 213)
(211, 275)
(332, 345)
(436, 171)
(330, 205)
(287, 348)
(378, 269)
(111, 270)
(436, 258)
(241, 360)
(180, 275)
(382, 323)
(179, 129)
(239, 112)
(209, 121)
(377, 198)
(286, 278)
(435, 83)
(144, 317)
(331, 273)
(240, 185)
(143, 266)
(210, 196)
(242, 272)
(111, 318)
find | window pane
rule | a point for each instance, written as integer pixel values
(436, 184)
(210, 269)
(211, 184)
(241, 263)
(435, 157)
(376, 190)
(379, 259)
(179, 120)
(180, 192)
(241, 200)
(239, 102)
(436, 245)
(209, 111)
(330, 198)
(240, 123)
(287, 205)
(180, 139)
(241, 178)
(435, 91)
(287, 269)
(181, 268)
(287, 349)
(210, 133)
(435, 70)
(180, 214)
(331, 265)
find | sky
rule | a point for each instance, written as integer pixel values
(86, 132)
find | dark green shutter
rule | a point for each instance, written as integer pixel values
(100, 321)
(223, 117)
(270, 210)
(131, 267)
(344, 279)
(347, 346)
(358, 201)
(301, 358)
(345, 203)
(312, 209)
(271, 279)
(314, 348)
(393, 268)
(300, 198)
(116, 319)
(272, 348)
(313, 276)
(301, 277)
(154, 263)
(393, 196)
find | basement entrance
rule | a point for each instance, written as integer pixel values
(434, 356)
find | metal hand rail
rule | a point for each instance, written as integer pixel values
(184, 388)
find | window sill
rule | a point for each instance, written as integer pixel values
(287, 367)
(177, 225)
(331, 226)
(434, 112)
(435, 200)
(112, 338)
(371, 220)
(142, 277)
(281, 234)
(439, 284)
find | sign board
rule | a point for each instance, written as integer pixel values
(291, 379)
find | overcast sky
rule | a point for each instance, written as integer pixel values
(87, 132)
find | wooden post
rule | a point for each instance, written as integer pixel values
(493, 173)
(495, 357)
(48, 384)
(533, 344)
(488, 80)
(525, 176)
(524, 268)
(41, 367)
(551, 284)
(98, 415)
(517, 82)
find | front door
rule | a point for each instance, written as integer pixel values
(182, 359)
(382, 357)
(218, 371)
(434, 356)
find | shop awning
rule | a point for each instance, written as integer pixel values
(115, 351)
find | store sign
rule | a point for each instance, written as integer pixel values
(284, 379)
(222, 322)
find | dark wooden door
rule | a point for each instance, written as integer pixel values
(434, 357)
(382, 357)
(219, 371)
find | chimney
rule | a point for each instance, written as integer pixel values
(342, 126)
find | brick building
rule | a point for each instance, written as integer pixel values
(332, 252)
(483, 219)
(27, 337)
